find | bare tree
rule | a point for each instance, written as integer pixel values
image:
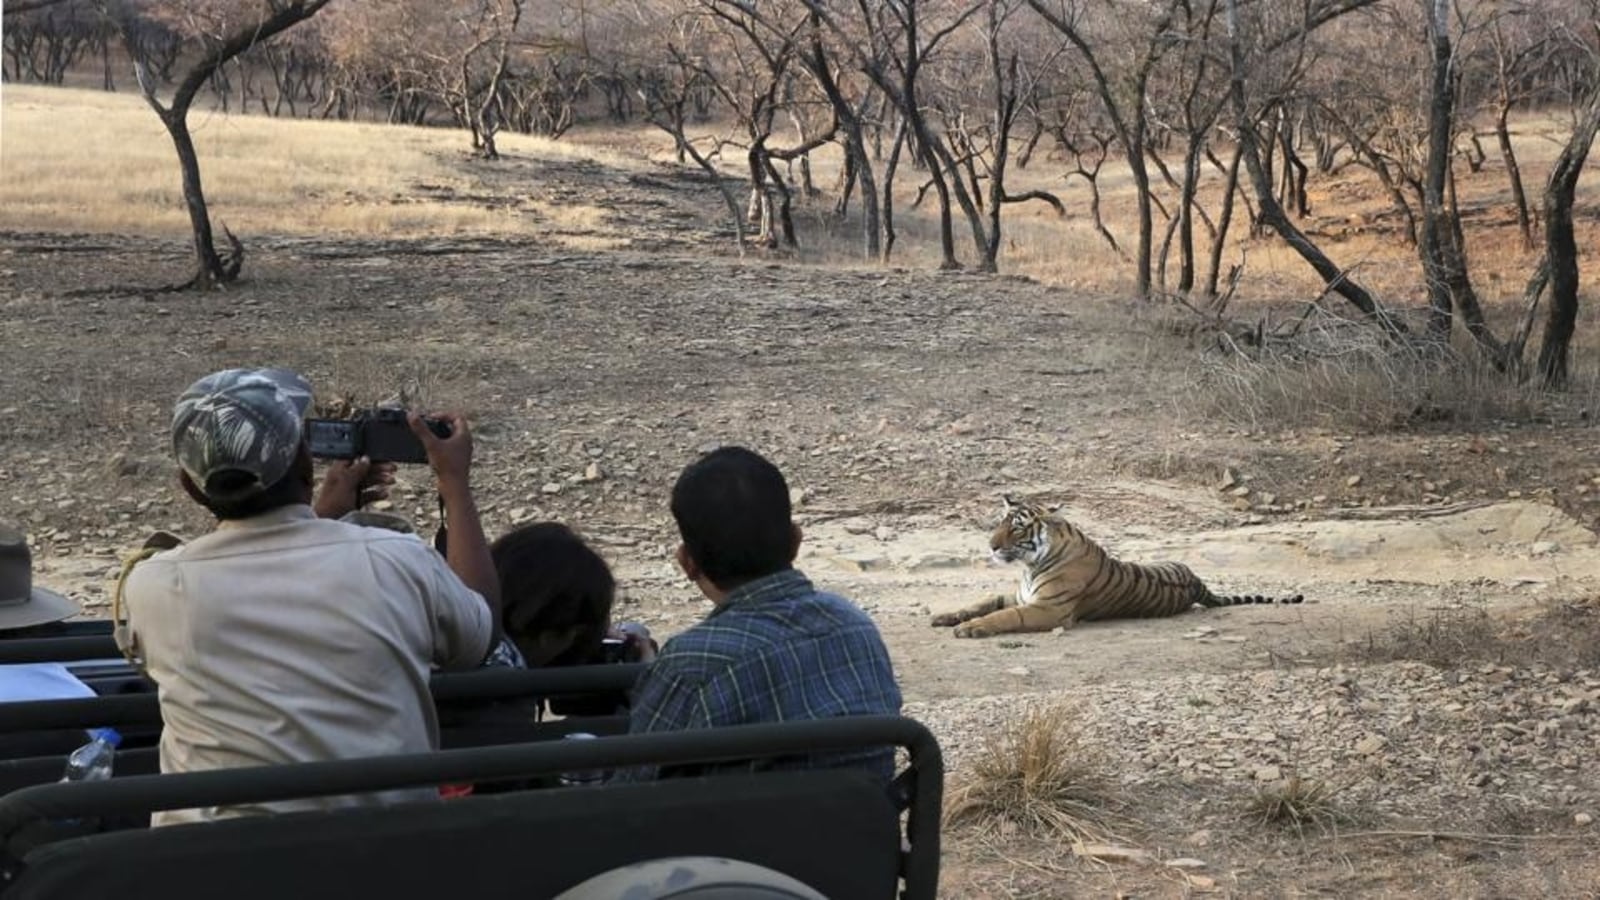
(223, 30)
(1271, 212)
(1123, 93)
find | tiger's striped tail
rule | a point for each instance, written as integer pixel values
(1214, 600)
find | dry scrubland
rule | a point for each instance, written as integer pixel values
(1426, 725)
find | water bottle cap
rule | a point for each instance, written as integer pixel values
(579, 736)
(109, 735)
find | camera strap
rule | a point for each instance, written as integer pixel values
(441, 538)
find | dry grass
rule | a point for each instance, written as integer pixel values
(1040, 776)
(1341, 374)
(1444, 637)
(1560, 634)
(1297, 803)
(78, 160)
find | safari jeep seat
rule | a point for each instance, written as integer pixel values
(835, 831)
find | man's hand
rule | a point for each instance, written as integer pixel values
(451, 457)
(351, 484)
(637, 644)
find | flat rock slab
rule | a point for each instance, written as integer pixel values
(1512, 542)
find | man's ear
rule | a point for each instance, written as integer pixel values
(795, 536)
(189, 488)
(686, 562)
(304, 466)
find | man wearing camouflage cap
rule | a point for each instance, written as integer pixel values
(284, 635)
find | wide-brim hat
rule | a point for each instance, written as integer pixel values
(22, 603)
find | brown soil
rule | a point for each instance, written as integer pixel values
(900, 404)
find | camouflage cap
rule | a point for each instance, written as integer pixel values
(242, 423)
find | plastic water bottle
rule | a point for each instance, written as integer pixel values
(582, 777)
(92, 761)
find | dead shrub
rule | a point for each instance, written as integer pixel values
(1038, 775)
(1297, 803)
(1344, 375)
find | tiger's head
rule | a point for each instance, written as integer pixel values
(1023, 533)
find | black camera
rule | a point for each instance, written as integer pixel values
(381, 435)
(613, 650)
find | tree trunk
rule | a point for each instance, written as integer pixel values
(1191, 180)
(211, 271)
(888, 188)
(1433, 249)
(1519, 198)
(1224, 220)
(1561, 247)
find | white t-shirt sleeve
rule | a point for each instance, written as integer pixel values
(462, 628)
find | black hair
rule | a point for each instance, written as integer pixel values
(551, 582)
(294, 487)
(732, 509)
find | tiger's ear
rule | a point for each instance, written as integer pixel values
(1006, 499)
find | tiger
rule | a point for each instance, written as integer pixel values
(1071, 579)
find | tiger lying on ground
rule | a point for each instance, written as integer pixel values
(1070, 579)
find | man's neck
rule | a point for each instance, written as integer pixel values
(719, 594)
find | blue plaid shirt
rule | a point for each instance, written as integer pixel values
(775, 650)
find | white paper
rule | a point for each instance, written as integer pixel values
(40, 681)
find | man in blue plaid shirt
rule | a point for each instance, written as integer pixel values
(774, 648)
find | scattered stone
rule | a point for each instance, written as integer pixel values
(551, 487)
(862, 562)
(883, 533)
(1268, 774)
(593, 472)
(1019, 671)
(122, 466)
(1111, 853)
(1544, 548)
(1229, 480)
(1583, 819)
(797, 496)
(1371, 744)
(1186, 862)
(1352, 481)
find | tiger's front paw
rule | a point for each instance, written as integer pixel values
(945, 620)
(972, 630)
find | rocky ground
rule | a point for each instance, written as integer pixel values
(900, 404)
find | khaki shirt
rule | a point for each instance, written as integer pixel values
(286, 638)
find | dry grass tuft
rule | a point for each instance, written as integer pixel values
(1297, 803)
(1443, 638)
(1040, 776)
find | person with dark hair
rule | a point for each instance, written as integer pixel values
(287, 636)
(556, 595)
(774, 648)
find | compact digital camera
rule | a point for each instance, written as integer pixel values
(381, 435)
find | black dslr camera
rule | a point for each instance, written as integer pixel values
(381, 435)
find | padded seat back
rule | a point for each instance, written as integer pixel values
(836, 831)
